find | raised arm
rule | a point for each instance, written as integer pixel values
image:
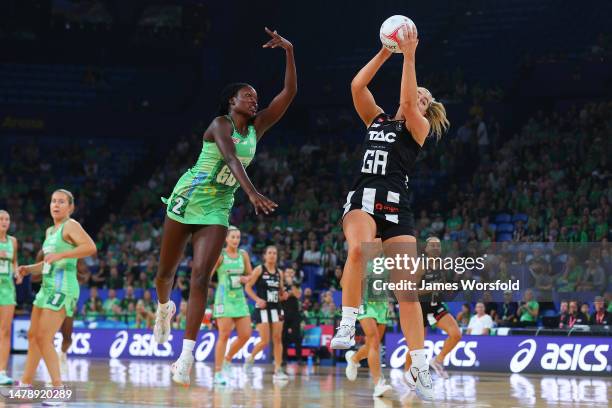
(363, 100)
(416, 123)
(221, 131)
(277, 108)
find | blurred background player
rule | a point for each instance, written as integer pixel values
(267, 279)
(65, 242)
(230, 309)
(292, 323)
(373, 319)
(8, 266)
(435, 312)
(378, 204)
(68, 323)
(202, 200)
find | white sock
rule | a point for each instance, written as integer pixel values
(419, 359)
(164, 307)
(188, 346)
(349, 316)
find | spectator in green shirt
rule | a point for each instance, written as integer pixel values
(180, 320)
(571, 275)
(93, 306)
(145, 311)
(112, 306)
(528, 310)
(128, 298)
(455, 221)
(114, 280)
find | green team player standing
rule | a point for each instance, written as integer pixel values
(65, 242)
(230, 309)
(8, 266)
(200, 203)
(373, 319)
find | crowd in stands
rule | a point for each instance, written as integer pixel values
(550, 182)
(488, 316)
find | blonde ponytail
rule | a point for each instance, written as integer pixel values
(436, 115)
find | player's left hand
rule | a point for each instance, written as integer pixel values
(408, 40)
(244, 279)
(50, 258)
(284, 296)
(277, 41)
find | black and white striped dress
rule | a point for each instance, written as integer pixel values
(389, 154)
(267, 288)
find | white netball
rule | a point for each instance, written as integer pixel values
(390, 31)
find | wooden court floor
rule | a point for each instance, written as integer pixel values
(147, 383)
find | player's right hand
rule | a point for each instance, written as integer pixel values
(409, 40)
(262, 203)
(21, 272)
(261, 304)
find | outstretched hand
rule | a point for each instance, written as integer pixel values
(277, 41)
(262, 203)
(408, 39)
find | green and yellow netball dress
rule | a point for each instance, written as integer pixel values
(204, 195)
(7, 286)
(229, 296)
(60, 287)
(375, 304)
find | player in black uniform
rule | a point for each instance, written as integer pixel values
(377, 205)
(267, 280)
(435, 311)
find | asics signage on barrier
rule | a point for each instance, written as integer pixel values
(139, 343)
(565, 357)
(463, 355)
(516, 354)
(80, 343)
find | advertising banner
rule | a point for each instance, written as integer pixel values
(138, 343)
(514, 354)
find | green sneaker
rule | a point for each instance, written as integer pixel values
(226, 369)
(219, 379)
(5, 379)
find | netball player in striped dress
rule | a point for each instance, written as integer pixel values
(378, 204)
(266, 287)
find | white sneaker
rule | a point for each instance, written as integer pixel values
(382, 389)
(220, 379)
(438, 368)
(409, 381)
(181, 370)
(280, 375)
(344, 338)
(423, 383)
(352, 368)
(161, 330)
